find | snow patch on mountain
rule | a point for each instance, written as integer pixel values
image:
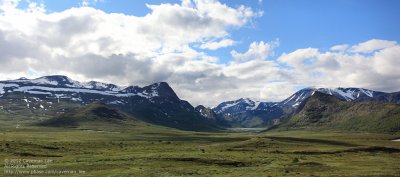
(3, 86)
(369, 93)
(242, 105)
(101, 86)
(228, 105)
(257, 103)
(27, 102)
(346, 95)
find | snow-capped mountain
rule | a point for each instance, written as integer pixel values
(348, 94)
(64, 81)
(155, 103)
(66, 88)
(243, 104)
(244, 110)
(249, 113)
(240, 105)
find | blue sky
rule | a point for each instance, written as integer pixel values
(209, 51)
(296, 23)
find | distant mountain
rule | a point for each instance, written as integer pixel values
(206, 112)
(54, 95)
(348, 94)
(209, 114)
(236, 106)
(323, 111)
(249, 113)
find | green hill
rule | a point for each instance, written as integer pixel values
(324, 111)
(92, 114)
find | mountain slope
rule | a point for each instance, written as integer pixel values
(328, 112)
(94, 113)
(210, 115)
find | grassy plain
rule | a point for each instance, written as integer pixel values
(148, 150)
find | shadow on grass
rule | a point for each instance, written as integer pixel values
(372, 149)
(28, 154)
(218, 162)
(317, 141)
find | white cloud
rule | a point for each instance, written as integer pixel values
(342, 47)
(277, 91)
(372, 45)
(387, 61)
(376, 70)
(298, 57)
(86, 3)
(251, 69)
(216, 45)
(257, 51)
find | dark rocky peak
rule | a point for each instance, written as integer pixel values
(200, 107)
(161, 89)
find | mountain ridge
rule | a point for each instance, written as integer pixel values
(244, 110)
(330, 113)
(156, 103)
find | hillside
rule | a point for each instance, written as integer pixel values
(95, 113)
(324, 111)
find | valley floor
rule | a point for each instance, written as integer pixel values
(168, 152)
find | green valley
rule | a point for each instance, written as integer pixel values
(157, 151)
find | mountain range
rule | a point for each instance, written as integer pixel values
(248, 113)
(323, 111)
(53, 96)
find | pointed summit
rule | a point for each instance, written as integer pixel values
(161, 89)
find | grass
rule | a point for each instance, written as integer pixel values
(156, 151)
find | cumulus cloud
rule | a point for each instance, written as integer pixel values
(342, 47)
(387, 61)
(374, 70)
(216, 45)
(372, 45)
(299, 58)
(277, 90)
(257, 51)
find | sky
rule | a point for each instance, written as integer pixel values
(209, 51)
